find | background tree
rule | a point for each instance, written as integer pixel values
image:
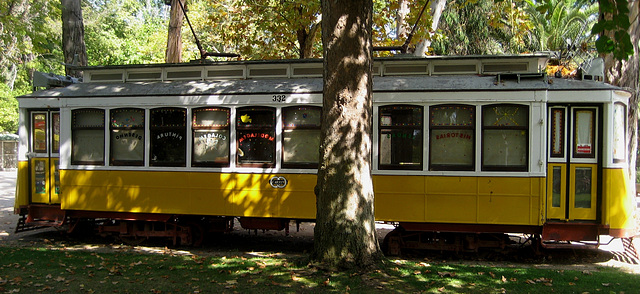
(345, 234)
(619, 26)
(126, 31)
(73, 37)
(174, 35)
(30, 35)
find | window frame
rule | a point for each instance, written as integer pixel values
(285, 127)
(256, 128)
(624, 131)
(75, 128)
(472, 128)
(195, 128)
(511, 168)
(382, 128)
(161, 128)
(112, 128)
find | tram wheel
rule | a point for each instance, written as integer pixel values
(392, 244)
(132, 240)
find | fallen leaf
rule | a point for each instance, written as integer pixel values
(447, 274)
(504, 280)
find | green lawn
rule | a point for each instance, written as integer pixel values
(58, 270)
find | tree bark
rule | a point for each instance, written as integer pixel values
(73, 47)
(437, 6)
(626, 74)
(174, 36)
(306, 40)
(345, 235)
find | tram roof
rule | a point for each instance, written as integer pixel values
(396, 74)
(314, 85)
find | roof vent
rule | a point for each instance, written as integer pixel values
(452, 68)
(505, 67)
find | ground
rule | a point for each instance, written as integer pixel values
(298, 242)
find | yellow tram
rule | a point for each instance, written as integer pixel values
(465, 149)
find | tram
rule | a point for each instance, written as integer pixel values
(465, 150)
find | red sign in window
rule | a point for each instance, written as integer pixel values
(584, 149)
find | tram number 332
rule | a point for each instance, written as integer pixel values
(279, 98)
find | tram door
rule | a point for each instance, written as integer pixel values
(573, 162)
(44, 159)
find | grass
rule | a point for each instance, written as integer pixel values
(58, 270)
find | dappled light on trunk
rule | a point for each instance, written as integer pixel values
(345, 231)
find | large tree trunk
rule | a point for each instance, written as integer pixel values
(174, 37)
(625, 74)
(73, 46)
(345, 234)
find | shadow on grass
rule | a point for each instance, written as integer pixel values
(243, 262)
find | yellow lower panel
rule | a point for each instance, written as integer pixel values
(398, 198)
(22, 185)
(618, 200)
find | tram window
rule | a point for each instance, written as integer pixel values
(557, 132)
(256, 130)
(452, 137)
(55, 140)
(401, 137)
(505, 137)
(87, 137)
(584, 134)
(168, 129)
(301, 136)
(210, 137)
(39, 139)
(619, 132)
(127, 136)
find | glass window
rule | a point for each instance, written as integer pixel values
(210, 137)
(301, 136)
(168, 131)
(452, 137)
(255, 132)
(55, 141)
(584, 134)
(127, 136)
(401, 137)
(39, 139)
(505, 137)
(619, 132)
(557, 132)
(87, 137)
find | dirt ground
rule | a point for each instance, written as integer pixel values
(299, 242)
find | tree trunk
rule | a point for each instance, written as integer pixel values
(306, 40)
(437, 6)
(73, 47)
(345, 234)
(402, 27)
(174, 37)
(625, 74)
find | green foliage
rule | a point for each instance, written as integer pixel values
(29, 37)
(615, 19)
(465, 28)
(259, 29)
(562, 25)
(8, 111)
(125, 31)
